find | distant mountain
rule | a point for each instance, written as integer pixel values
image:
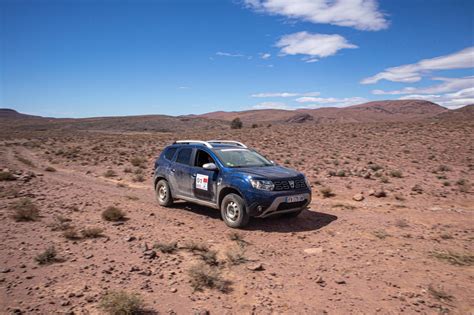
(13, 114)
(398, 110)
(463, 113)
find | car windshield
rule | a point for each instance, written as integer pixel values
(237, 157)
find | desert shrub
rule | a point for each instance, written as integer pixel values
(113, 214)
(138, 178)
(25, 161)
(122, 303)
(326, 192)
(238, 238)
(195, 247)
(167, 248)
(92, 232)
(254, 125)
(381, 234)
(25, 210)
(417, 188)
(459, 259)
(127, 170)
(137, 161)
(7, 175)
(110, 173)
(443, 168)
(384, 179)
(341, 173)
(439, 294)
(60, 223)
(71, 233)
(50, 169)
(380, 193)
(463, 185)
(401, 223)
(47, 257)
(203, 276)
(396, 173)
(236, 123)
(235, 256)
(374, 167)
(209, 257)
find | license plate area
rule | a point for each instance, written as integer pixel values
(296, 198)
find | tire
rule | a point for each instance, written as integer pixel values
(163, 193)
(293, 214)
(233, 211)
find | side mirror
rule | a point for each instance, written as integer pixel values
(210, 166)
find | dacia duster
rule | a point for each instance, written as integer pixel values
(229, 176)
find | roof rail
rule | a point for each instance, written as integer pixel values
(240, 144)
(206, 143)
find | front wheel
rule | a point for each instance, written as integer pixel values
(163, 193)
(233, 211)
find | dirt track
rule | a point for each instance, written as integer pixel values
(340, 257)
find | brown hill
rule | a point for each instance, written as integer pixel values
(397, 110)
(463, 113)
(7, 113)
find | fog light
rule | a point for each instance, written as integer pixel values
(259, 208)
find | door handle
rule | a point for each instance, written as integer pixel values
(194, 175)
(173, 170)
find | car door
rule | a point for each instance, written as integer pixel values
(204, 181)
(180, 173)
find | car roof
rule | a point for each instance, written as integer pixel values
(200, 146)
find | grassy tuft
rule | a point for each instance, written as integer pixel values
(122, 303)
(113, 214)
(203, 276)
(25, 210)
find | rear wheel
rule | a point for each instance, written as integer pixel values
(233, 211)
(163, 193)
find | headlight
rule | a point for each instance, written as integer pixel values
(262, 184)
(308, 184)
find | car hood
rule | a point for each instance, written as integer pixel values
(270, 172)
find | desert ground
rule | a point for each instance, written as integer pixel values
(390, 228)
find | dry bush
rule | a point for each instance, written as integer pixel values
(71, 233)
(236, 256)
(4, 176)
(196, 247)
(92, 232)
(238, 238)
(326, 192)
(113, 214)
(203, 276)
(396, 173)
(25, 161)
(167, 248)
(401, 223)
(122, 303)
(138, 178)
(439, 294)
(47, 257)
(110, 173)
(381, 234)
(209, 257)
(236, 123)
(137, 161)
(25, 210)
(453, 258)
(50, 169)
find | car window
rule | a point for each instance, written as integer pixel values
(169, 153)
(184, 156)
(202, 157)
(237, 157)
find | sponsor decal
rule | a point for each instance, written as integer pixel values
(202, 181)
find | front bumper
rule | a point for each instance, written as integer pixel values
(270, 203)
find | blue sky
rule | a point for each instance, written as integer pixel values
(107, 58)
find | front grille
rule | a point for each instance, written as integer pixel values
(298, 183)
(291, 205)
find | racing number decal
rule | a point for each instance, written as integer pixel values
(201, 181)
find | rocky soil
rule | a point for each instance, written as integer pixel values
(390, 229)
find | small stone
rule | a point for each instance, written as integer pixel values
(256, 267)
(313, 250)
(174, 290)
(358, 197)
(340, 281)
(130, 238)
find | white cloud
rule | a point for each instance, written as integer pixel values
(331, 101)
(284, 94)
(410, 73)
(265, 56)
(226, 54)
(450, 100)
(270, 105)
(359, 14)
(447, 85)
(314, 46)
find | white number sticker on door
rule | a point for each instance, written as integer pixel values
(201, 181)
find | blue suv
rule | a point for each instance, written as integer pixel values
(226, 175)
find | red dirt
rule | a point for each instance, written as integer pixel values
(340, 257)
